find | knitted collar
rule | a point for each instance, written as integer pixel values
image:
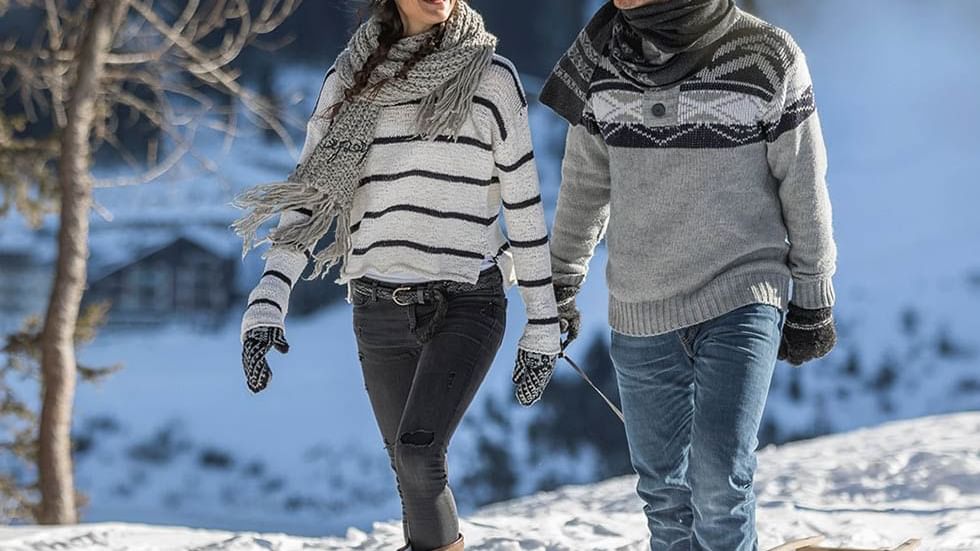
(655, 45)
(664, 43)
(676, 26)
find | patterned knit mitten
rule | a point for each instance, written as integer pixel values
(532, 373)
(807, 335)
(258, 342)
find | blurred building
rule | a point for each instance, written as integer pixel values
(152, 274)
(173, 278)
(25, 277)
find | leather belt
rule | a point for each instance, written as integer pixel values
(436, 292)
(422, 293)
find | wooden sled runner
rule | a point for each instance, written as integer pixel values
(813, 544)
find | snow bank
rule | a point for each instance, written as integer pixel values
(869, 488)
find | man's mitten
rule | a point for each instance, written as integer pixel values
(257, 343)
(568, 314)
(531, 375)
(807, 335)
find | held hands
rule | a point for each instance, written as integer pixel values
(258, 342)
(568, 313)
(807, 335)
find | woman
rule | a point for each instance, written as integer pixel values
(419, 136)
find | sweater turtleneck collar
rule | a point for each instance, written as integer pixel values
(674, 26)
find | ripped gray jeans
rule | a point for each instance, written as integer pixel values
(420, 390)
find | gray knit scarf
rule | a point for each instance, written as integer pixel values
(445, 81)
(655, 45)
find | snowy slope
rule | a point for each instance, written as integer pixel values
(871, 488)
(175, 439)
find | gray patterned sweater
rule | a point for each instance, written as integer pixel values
(711, 194)
(432, 209)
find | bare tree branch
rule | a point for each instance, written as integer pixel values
(156, 47)
(212, 69)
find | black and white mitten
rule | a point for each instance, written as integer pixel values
(256, 346)
(268, 304)
(568, 314)
(807, 335)
(532, 373)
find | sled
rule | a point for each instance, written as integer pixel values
(798, 544)
(812, 544)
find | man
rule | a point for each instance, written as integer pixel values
(694, 141)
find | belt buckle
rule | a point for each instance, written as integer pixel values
(394, 296)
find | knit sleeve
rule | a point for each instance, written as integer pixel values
(317, 126)
(524, 217)
(798, 160)
(583, 203)
(268, 302)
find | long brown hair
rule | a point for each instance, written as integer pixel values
(392, 30)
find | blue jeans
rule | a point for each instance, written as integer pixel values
(693, 400)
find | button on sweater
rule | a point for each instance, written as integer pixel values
(432, 208)
(711, 194)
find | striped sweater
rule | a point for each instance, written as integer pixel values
(432, 209)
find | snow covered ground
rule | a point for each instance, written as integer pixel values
(870, 488)
(175, 439)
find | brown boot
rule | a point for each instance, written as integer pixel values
(454, 546)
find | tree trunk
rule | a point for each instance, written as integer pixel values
(58, 368)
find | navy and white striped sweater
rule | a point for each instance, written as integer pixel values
(432, 208)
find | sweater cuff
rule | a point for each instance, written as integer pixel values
(814, 294)
(568, 280)
(267, 307)
(565, 295)
(543, 339)
(261, 315)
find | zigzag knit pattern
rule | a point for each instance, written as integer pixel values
(712, 193)
(748, 93)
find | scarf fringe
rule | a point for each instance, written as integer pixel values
(268, 200)
(445, 111)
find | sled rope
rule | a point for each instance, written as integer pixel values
(585, 376)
